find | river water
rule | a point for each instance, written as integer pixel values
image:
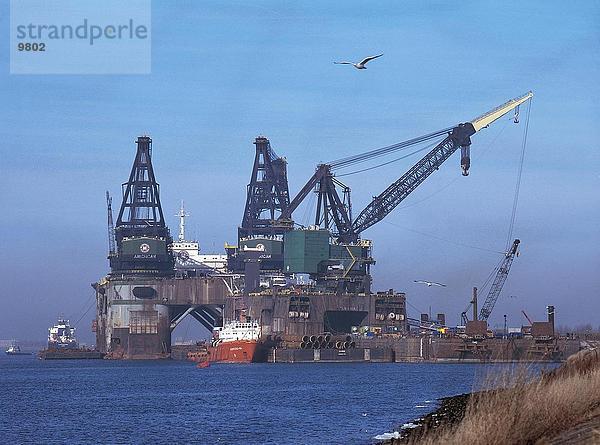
(100, 401)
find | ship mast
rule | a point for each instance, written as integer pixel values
(182, 215)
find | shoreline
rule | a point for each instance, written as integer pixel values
(464, 415)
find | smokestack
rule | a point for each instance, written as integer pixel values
(551, 317)
(474, 301)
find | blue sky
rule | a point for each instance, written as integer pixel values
(225, 72)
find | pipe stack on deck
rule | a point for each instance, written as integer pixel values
(326, 341)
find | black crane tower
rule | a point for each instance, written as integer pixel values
(267, 193)
(141, 234)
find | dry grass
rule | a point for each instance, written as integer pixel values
(522, 409)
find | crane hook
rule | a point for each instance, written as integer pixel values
(516, 118)
(465, 159)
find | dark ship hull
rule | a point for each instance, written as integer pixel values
(70, 354)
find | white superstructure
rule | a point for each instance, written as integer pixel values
(62, 336)
(238, 330)
(187, 253)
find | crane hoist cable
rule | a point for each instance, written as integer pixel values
(443, 239)
(500, 272)
(365, 156)
(483, 287)
(92, 303)
(85, 304)
(519, 176)
(491, 275)
(427, 147)
(306, 216)
(441, 189)
(390, 149)
(495, 270)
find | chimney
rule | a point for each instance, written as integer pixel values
(551, 317)
(474, 301)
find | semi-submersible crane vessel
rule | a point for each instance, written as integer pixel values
(304, 286)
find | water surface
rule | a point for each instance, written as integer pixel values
(101, 401)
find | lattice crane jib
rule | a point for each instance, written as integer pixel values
(112, 249)
(499, 280)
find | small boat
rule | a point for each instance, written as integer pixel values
(235, 342)
(15, 349)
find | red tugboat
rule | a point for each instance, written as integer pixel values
(235, 342)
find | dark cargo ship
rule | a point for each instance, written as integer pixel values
(62, 344)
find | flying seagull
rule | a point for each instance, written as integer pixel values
(430, 283)
(360, 65)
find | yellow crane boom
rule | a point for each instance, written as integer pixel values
(486, 119)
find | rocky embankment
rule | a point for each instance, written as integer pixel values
(557, 407)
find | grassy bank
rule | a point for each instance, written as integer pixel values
(517, 407)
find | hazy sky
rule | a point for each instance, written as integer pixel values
(225, 72)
